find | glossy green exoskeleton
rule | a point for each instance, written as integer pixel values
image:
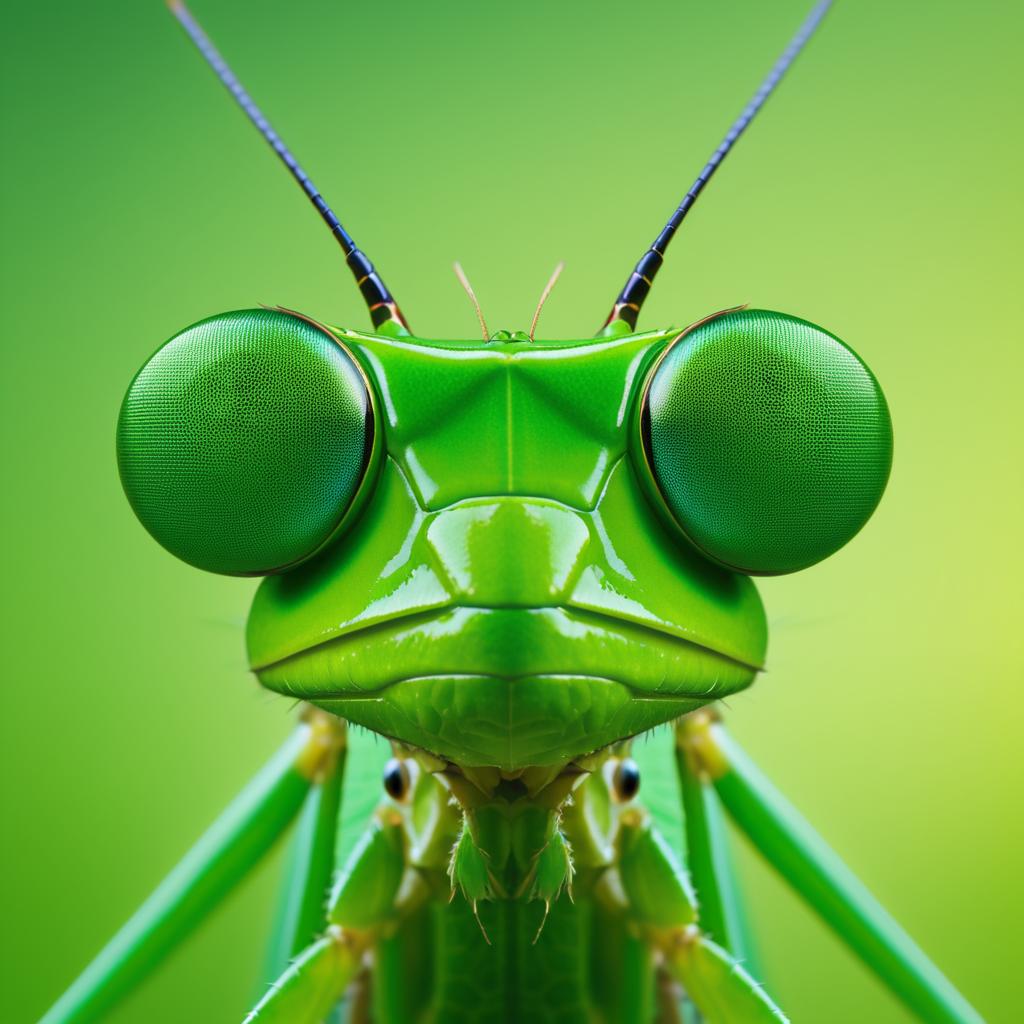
(509, 557)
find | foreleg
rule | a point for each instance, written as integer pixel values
(721, 908)
(661, 902)
(217, 862)
(363, 903)
(802, 857)
(308, 867)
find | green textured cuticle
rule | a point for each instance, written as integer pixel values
(769, 440)
(243, 440)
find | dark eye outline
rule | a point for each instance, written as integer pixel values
(371, 456)
(372, 450)
(640, 449)
(640, 442)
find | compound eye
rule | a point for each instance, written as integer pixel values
(768, 439)
(243, 441)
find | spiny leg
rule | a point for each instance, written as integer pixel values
(215, 864)
(309, 865)
(662, 903)
(800, 855)
(363, 902)
(722, 914)
(314, 982)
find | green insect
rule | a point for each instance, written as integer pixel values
(509, 557)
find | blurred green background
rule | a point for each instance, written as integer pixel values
(878, 195)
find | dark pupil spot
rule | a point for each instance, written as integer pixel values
(627, 779)
(395, 779)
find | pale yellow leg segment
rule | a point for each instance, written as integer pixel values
(364, 902)
(662, 904)
(814, 870)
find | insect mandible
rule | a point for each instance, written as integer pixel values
(510, 614)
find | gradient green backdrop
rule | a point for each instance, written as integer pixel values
(879, 195)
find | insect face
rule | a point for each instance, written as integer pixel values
(550, 541)
(508, 564)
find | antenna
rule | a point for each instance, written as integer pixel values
(631, 298)
(379, 300)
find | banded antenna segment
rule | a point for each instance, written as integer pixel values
(631, 298)
(380, 302)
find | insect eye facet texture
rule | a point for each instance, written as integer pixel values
(243, 440)
(769, 440)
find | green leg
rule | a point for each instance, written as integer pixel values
(662, 903)
(313, 983)
(362, 902)
(814, 870)
(221, 857)
(390, 987)
(308, 868)
(721, 909)
(719, 987)
(621, 969)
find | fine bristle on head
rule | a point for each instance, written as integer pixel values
(464, 281)
(555, 274)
